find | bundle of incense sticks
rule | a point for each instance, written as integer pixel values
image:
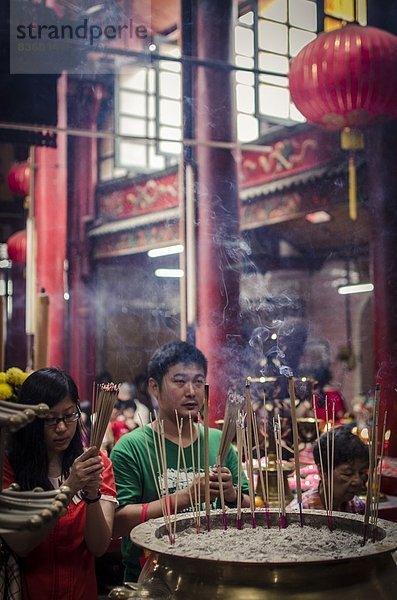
(221, 493)
(282, 517)
(248, 452)
(233, 406)
(196, 474)
(207, 457)
(103, 401)
(330, 461)
(182, 453)
(373, 458)
(239, 436)
(264, 481)
(159, 476)
(326, 483)
(378, 478)
(295, 437)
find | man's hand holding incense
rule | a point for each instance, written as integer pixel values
(229, 491)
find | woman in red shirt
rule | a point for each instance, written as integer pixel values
(327, 396)
(57, 561)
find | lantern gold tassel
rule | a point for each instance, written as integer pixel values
(352, 140)
(352, 189)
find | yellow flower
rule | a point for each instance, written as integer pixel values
(6, 391)
(24, 376)
(10, 382)
(15, 376)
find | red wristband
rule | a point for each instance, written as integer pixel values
(144, 512)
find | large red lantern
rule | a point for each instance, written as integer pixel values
(19, 178)
(16, 246)
(344, 80)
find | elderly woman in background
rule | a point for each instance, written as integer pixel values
(350, 471)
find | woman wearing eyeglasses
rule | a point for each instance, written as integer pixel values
(57, 561)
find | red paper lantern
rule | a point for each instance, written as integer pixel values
(19, 178)
(344, 80)
(16, 245)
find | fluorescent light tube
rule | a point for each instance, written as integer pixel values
(166, 251)
(169, 273)
(355, 288)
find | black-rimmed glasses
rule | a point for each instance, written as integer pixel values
(67, 419)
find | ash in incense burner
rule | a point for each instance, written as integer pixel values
(268, 564)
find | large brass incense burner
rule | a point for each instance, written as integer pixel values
(166, 576)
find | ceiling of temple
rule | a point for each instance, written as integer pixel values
(299, 244)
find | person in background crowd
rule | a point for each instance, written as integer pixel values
(103, 377)
(57, 560)
(128, 392)
(327, 395)
(124, 422)
(142, 393)
(351, 461)
(85, 421)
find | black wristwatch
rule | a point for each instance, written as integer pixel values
(90, 500)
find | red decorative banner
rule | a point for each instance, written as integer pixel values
(136, 240)
(270, 210)
(283, 159)
(138, 199)
(287, 157)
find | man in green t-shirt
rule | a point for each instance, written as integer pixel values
(177, 373)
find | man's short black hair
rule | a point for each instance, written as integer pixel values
(173, 353)
(348, 448)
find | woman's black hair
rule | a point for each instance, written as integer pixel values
(26, 449)
(171, 354)
(348, 447)
(322, 376)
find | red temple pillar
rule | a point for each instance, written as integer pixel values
(218, 278)
(84, 103)
(382, 152)
(50, 211)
